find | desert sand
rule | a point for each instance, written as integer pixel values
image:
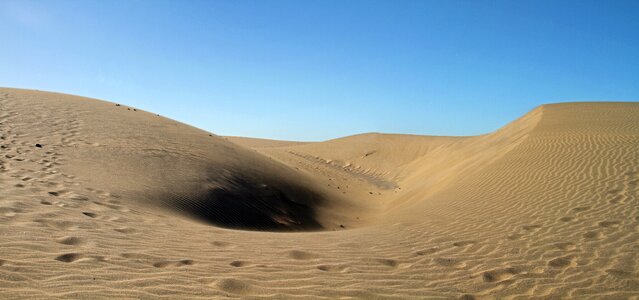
(99, 200)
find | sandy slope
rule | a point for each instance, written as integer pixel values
(124, 203)
(261, 143)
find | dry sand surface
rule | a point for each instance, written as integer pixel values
(115, 202)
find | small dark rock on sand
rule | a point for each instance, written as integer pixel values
(38, 145)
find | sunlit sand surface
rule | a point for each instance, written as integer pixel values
(99, 200)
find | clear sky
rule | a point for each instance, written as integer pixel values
(315, 70)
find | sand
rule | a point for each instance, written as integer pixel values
(116, 202)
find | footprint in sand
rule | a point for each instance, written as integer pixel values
(235, 286)
(515, 236)
(301, 255)
(449, 262)
(607, 224)
(531, 227)
(593, 235)
(561, 262)
(567, 246)
(581, 208)
(89, 214)
(70, 240)
(221, 244)
(164, 264)
(384, 262)
(333, 268)
(464, 243)
(239, 263)
(126, 230)
(69, 257)
(499, 274)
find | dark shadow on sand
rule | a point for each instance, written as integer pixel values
(252, 204)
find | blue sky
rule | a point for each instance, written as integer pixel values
(315, 70)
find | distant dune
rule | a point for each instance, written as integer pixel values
(102, 200)
(261, 143)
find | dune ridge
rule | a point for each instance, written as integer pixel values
(118, 202)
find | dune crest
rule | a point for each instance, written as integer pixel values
(119, 201)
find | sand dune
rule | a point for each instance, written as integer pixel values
(261, 143)
(117, 202)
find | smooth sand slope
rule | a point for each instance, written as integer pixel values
(121, 203)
